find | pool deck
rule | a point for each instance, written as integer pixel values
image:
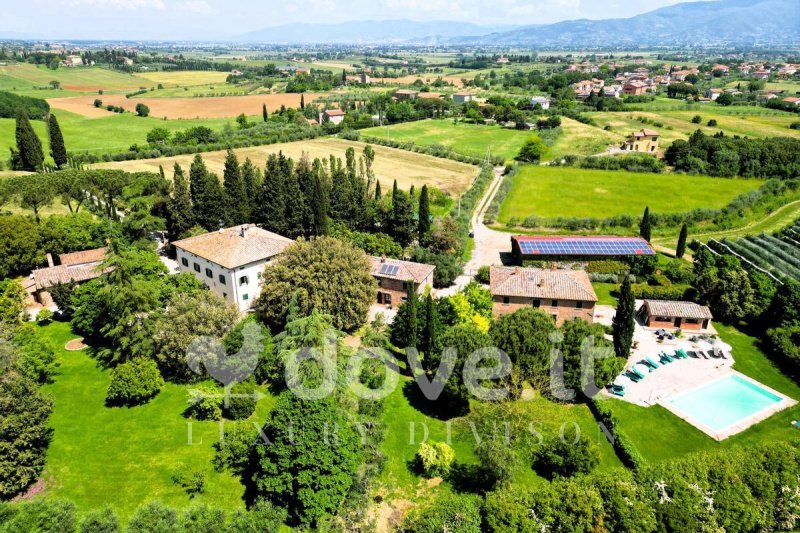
(740, 425)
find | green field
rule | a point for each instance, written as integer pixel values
(551, 192)
(659, 435)
(113, 133)
(23, 78)
(468, 139)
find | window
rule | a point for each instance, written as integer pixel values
(196, 267)
(185, 261)
(224, 295)
(506, 299)
(554, 303)
(222, 279)
(652, 148)
(692, 321)
(245, 297)
(243, 280)
(209, 273)
(537, 303)
(578, 305)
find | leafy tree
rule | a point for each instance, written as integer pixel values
(532, 150)
(180, 213)
(498, 460)
(57, 149)
(202, 519)
(29, 154)
(12, 301)
(680, 250)
(300, 468)
(725, 99)
(435, 458)
(424, 223)
(134, 382)
(465, 339)
(262, 516)
(524, 336)
(43, 515)
(242, 403)
(102, 521)
(153, 517)
(19, 245)
(645, 225)
(448, 266)
(577, 334)
(309, 270)
(785, 310)
(732, 295)
(98, 103)
(558, 457)
(36, 193)
(142, 110)
(454, 512)
(623, 323)
(237, 202)
(159, 136)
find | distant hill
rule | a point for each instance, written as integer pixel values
(368, 31)
(744, 22)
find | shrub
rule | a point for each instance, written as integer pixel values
(454, 512)
(558, 457)
(44, 317)
(98, 102)
(192, 481)
(134, 382)
(533, 150)
(242, 401)
(103, 521)
(233, 451)
(142, 110)
(482, 276)
(794, 126)
(154, 517)
(436, 458)
(607, 267)
(697, 119)
(205, 403)
(643, 291)
(712, 123)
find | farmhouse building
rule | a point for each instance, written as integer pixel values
(635, 88)
(405, 94)
(541, 101)
(76, 267)
(230, 261)
(678, 315)
(334, 116)
(393, 275)
(563, 294)
(644, 140)
(463, 97)
(576, 247)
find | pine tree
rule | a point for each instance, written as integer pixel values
(57, 149)
(302, 101)
(161, 172)
(644, 225)
(402, 221)
(180, 216)
(271, 211)
(412, 324)
(264, 112)
(623, 323)
(295, 205)
(681, 249)
(207, 196)
(251, 176)
(29, 148)
(344, 77)
(424, 223)
(237, 204)
(428, 343)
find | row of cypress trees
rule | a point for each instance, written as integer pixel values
(29, 154)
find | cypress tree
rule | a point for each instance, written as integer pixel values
(238, 207)
(681, 249)
(29, 147)
(644, 225)
(413, 321)
(271, 209)
(623, 323)
(295, 205)
(264, 112)
(251, 176)
(402, 221)
(57, 149)
(180, 216)
(428, 343)
(302, 101)
(207, 196)
(161, 172)
(378, 191)
(424, 223)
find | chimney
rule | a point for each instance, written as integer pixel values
(553, 266)
(517, 271)
(50, 260)
(244, 231)
(383, 258)
(540, 283)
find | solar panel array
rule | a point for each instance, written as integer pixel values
(585, 247)
(389, 270)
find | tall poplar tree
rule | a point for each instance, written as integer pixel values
(424, 223)
(58, 150)
(623, 323)
(29, 148)
(180, 216)
(681, 248)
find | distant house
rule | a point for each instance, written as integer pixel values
(393, 275)
(612, 91)
(236, 72)
(563, 294)
(76, 267)
(713, 94)
(671, 314)
(463, 97)
(73, 61)
(762, 74)
(644, 140)
(405, 94)
(541, 101)
(230, 261)
(127, 61)
(334, 116)
(792, 100)
(680, 75)
(502, 60)
(720, 68)
(634, 88)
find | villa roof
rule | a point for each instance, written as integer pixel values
(81, 258)
(334, 112)
(540, 283)
(674, 309)
(235, 247)
(400, 270)
(45, 278)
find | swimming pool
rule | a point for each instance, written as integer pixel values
(726, 402)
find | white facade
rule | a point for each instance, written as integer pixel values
(543, 102)
(240, 286)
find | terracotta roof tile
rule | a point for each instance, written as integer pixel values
(541, 283)
(674, 309)
(235, 247)
(406, 270)
(80, 258)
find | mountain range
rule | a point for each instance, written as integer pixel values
(730, 22)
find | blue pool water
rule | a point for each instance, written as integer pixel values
(724, 402)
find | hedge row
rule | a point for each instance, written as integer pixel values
(622, 444)
(435, 150)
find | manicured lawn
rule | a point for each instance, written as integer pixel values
(528, 420)
(603, 291)
(550, 192)
(659, 435)
(578, 138)
(469, 139)
(125, 456)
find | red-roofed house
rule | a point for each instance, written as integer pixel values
(392, 276)
(334, 116)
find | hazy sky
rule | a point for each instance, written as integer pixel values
(214, 19)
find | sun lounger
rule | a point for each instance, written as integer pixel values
(637, 372)
(682, 353)
(666, 358)
(633, 377)
(713, 355)
(650, 363)
(693, 354)
(616, 392)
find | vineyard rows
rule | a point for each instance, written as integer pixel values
(778, 255)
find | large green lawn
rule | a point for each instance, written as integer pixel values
(550, 192)
(468, 139)
(125, 456)
(114, 133)
(659, 435)
(25, 78)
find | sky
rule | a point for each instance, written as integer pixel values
(219, 19)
